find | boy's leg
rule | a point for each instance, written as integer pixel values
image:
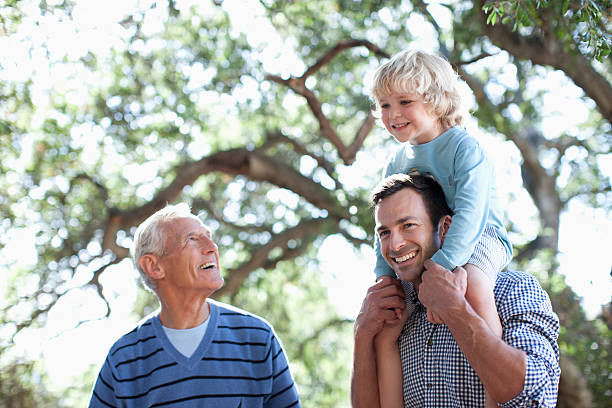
(479, 294)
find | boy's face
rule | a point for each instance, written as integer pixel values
(408, 118)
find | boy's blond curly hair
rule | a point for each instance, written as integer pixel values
(430, 76)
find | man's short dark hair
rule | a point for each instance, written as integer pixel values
(427, 186)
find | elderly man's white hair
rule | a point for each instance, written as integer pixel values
(150, 236)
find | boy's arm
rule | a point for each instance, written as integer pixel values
(364, 383)
(376, 309)
(382, 268)
(472, 176)
(388, 364)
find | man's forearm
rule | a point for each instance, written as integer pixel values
(364, 382)
(501, 368)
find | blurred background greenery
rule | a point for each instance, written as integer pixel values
(256, 114)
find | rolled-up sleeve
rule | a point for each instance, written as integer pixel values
(531, 325)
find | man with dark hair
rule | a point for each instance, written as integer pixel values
(402, 359)
(194, 352)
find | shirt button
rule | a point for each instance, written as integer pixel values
(428, 385)
(429, 343)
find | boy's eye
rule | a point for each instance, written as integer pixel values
(405, 102)
(384, 106)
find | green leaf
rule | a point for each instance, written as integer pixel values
(492, 18)
(565, 6)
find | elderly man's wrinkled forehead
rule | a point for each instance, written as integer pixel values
(179, 228)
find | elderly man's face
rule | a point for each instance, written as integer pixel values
(407, 237)
(191, 258)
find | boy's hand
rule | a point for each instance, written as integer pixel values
(378, 307)
(391, 329)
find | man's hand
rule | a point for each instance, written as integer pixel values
(378, 307)
(442, 290)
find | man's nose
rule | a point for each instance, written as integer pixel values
(396, 242)
(207, 245)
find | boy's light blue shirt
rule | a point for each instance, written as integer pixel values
(467, 176)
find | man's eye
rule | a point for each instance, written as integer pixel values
(383, 233)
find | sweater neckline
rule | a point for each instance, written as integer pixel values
(202, 347)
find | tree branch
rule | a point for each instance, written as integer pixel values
(338, 48)
(544, 48)
(260, 255)
(249, 163)
(278, 137)
(298, 85)
(208, 206)
(318, 332)
(529, 250)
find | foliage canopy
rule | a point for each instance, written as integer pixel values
(271, 139)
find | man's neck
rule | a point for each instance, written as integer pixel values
(183, 313)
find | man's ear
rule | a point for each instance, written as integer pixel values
(443, 227)
(150, 264)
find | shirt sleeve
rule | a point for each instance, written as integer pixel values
(103, 394)
(531, 325)
(382, 268)
(472, 175)
(284, 392)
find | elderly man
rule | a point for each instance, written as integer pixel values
(196, 352)
(450, 365)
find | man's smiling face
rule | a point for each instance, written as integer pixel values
(191, 259)
(407, 236)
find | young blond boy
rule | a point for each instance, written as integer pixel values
(418, 99)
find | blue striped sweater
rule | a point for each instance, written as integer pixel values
(239, 363)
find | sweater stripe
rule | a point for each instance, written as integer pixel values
(139, 358)
(143, 375)
(133, 344)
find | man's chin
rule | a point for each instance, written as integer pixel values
(407, 275)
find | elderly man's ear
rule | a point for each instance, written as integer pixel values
(151, 265)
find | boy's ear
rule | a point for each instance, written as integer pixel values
(150, 264)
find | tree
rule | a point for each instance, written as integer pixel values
(189, 108)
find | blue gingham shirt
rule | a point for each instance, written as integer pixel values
(437, 374)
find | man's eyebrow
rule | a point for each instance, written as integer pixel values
(381, 228)
(398, 221)
(406, 218)
(206, 232)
